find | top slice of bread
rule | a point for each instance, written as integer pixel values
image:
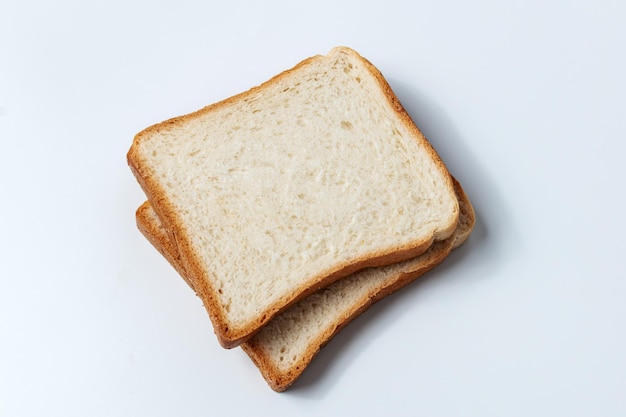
(281, 190)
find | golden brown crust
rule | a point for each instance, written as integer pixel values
(228, 336)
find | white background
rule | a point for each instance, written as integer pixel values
(525, 102)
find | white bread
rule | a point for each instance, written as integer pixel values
(281, 190)
(284, 347)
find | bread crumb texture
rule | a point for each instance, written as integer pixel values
(313, 170)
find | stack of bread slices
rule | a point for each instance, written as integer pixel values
(292, 207)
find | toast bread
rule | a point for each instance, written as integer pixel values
(279, 191)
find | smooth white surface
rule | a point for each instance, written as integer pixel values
(525, 102)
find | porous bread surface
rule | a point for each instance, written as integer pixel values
(274, 191)
(284, 347)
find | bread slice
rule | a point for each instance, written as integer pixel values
(281, 190)
(284, 347)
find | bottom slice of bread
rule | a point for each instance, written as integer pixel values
(285, 346)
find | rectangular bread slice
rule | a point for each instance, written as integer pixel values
(276, 192)
(285, 346)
